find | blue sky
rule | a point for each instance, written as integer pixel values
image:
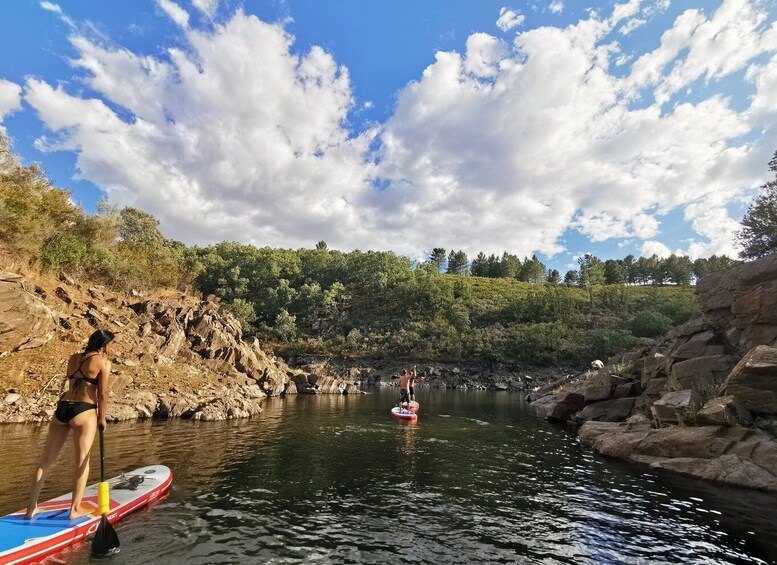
(559, 128)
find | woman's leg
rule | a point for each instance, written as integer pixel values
(56, 439)
(84, 428)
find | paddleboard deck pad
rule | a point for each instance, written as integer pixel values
(403, 414)
(50, 530)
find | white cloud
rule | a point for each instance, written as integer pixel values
(551, 142)
(175, 12)
(652, 247)
(57, 9)
(509, 19)
(484, 53)
(207, 7)
(503, 147)
(557, 6)
(10, 99)
(631, 25)
(236, 139)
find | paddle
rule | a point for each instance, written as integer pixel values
(105, 541)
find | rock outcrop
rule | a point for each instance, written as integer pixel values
(682, 404)
(175, 356)
(26, 322)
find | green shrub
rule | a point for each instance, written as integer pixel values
(650, 323)
(64, 253)
(606, 343)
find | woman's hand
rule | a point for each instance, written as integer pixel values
(101, 423)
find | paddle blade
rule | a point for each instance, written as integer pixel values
(105, 541)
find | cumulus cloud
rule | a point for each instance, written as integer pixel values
(234, 139)
(631, 25)
(207, 7)
(509, 19)
(504, 146)
(652, 247)
(175, 12)
(557, 6)
(552, 141)
(10, 99)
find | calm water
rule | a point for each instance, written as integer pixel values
(334, 479)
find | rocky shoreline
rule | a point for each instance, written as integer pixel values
(450, 375)
(175, 356)
(702, 402)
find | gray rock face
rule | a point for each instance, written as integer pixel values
(723, 411)
(728, 354)
(742, 303)
(753, 382)
(559, 407)
(25, 320)
(735, 456)
(613, 410)
(673, 407)
(174, 335)
(698, 372)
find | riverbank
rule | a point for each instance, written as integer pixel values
(174, 356)
(452, 375)
(177, 356)
(701, 402)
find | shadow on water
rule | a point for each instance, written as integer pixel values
(334, 479)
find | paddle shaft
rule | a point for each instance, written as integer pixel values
(102, 456)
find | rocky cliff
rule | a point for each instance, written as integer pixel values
(703, 401)
(174, 355)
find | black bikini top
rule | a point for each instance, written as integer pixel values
(83, 377)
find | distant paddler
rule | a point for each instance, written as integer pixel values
(411, 385)
(404, 389)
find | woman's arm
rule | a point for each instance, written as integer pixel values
(103, 387)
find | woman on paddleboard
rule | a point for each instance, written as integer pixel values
(82, 410)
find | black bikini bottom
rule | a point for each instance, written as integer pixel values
(67, 410)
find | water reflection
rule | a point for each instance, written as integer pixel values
(334, 479)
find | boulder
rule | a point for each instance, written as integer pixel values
(701, 372)
(12, 398)
(172, 345)
(703, 344)
(753, 382)
(614, 410)
(597, 392)
(654, 367)
(675, 407)
(735, 456)
(627, 389)
(559, 407)
(656, 386)
(723, 411)
(25, 320)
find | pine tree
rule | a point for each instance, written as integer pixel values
(758, 235)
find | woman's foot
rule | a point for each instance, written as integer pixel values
(29, 514)
(79, 513)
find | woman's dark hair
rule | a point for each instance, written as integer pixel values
(98, 340)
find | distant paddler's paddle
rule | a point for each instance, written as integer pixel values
(105, 541)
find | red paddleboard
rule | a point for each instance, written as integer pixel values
(402, 414)
(50, 530)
